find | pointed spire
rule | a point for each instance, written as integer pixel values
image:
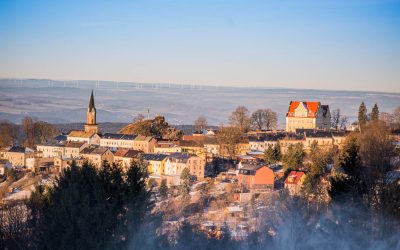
(91, 102)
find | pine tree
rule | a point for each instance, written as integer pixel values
(375, 113)
(185, 184)
(362, 114)
(268, 155)
(163, 190)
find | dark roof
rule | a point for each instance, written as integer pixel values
(17, 149)
(91, 103)
(250, 169)
(119, 136)
(60, 138)
(74, 144)
(181, 157)
(52, 144)
(87, 150)
(132, 153)
(317, 133)
(154, 157)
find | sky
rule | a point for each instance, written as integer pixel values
(324, 44)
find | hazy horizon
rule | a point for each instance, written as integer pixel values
(64, 102)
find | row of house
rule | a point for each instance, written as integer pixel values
(306, 137)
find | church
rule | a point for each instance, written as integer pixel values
(90, 134)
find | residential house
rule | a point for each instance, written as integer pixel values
(17, 155)
(195, 147)
(255, 178)
(117, 141)
(97, 156)
(51, 149)
(73, 148)
(196, 166)
(322, 138)
(155, 163)
(291, 139)
(144, 143)
(307, 115)
(294, 182)
(63, 162)
(124, 157)
(167, 147)
(175, 163)
(91, 137)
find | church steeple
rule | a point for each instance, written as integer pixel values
(91, 103)
(91, 125)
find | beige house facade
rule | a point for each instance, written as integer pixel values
(307, 115)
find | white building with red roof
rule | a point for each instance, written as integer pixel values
(307, 115)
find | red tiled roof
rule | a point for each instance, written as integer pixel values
(294, 177)
(311, 106)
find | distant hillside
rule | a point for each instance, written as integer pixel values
(106, 127)
(66, 102)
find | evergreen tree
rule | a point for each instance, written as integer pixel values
(316, 169)
(277, 154)
(375, 113)
(362, 114)
(293, 158)
(185, 184)
(163, 189)
(273, 154)
(268, 155)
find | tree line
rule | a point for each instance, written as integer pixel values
(31, 132)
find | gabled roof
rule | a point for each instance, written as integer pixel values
(60, 138)
(52, 144)
(132, 153)
(167, 144)
(81, 134)
(311, 133)
(118, 136)
(121, 152)
(17, 149)
(74, 144)
(94, 151)
(99, 151)
(250, 169)
(294, 177)
(180, 157)
(312, 108)
(154, 157)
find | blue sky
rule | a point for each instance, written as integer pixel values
(326, 44)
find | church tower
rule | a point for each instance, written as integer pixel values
(91, 125)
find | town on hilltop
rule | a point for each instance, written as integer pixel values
(226, 175)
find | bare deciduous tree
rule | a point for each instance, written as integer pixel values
(200, 123)
(8, 133)
(264, 119)
(240, 118)
(343, 123)
(138, 118)
(28, 128)
(228, 138)
(271, 119)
